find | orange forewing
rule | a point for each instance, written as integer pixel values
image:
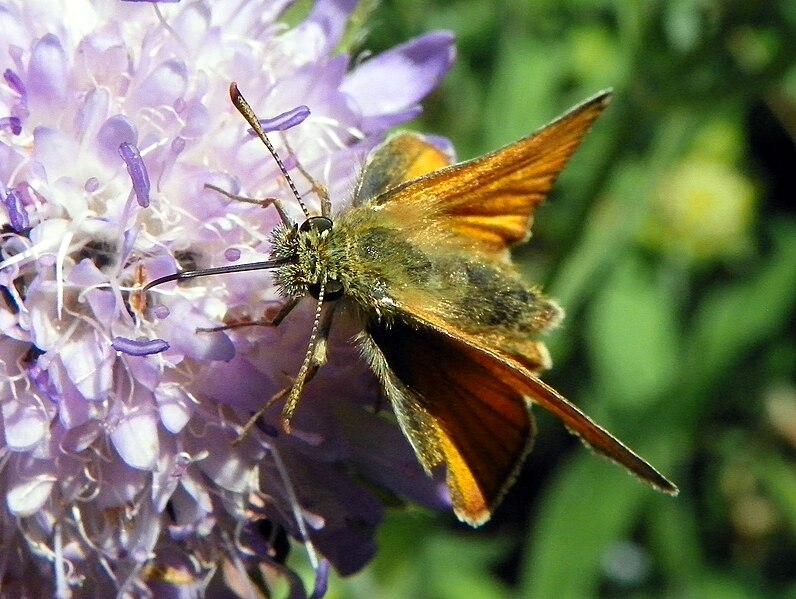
(491, 199)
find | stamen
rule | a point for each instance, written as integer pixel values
(15, 82)
(284, 121)
(137, 170)
(11, 123)
(135, 347)
(321, 580)
(296, 507)
(91, 185)
(17, 215)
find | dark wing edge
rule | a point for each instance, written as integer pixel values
(516, 375)
(454, 411)
(467, 355)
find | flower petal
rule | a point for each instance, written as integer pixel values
(175, 406)
(47, 71)
(179, 329)
(24, 424)
(114, 132)
(399, 78)
(135, 437)
(330, 17)
(163, 86)
(55, 151)
(89, 364)
(26, 498)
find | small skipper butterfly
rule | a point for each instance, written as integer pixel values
(447, 324)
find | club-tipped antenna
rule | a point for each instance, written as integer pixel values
(243, 107)
(218, 270)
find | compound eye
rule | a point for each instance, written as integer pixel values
(333, 291)
(318, 223)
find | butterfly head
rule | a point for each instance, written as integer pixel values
(309, 259)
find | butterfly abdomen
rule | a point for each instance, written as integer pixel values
(379, 268)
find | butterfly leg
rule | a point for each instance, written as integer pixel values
(284, 310)
(256, 416)
(318, 188)
(315, 358)
(264, 202)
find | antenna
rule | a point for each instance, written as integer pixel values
(218, 270)
(320, 324)
(243, 107)
(246, 110)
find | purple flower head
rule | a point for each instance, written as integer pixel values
(124, 470)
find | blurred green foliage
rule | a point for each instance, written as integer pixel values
(671, 242)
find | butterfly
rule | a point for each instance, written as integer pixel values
(447, 325)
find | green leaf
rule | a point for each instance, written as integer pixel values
(632, 334)
(779, 478)
(586, 509)
(733, 319)
(418, 558)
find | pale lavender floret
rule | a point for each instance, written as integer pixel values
(138, 173)
(166, 83)
(389, 86)
(135, 347)
(47, 72)
(180, 330)
(331, 16)
(113, 132)
(19, 109)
